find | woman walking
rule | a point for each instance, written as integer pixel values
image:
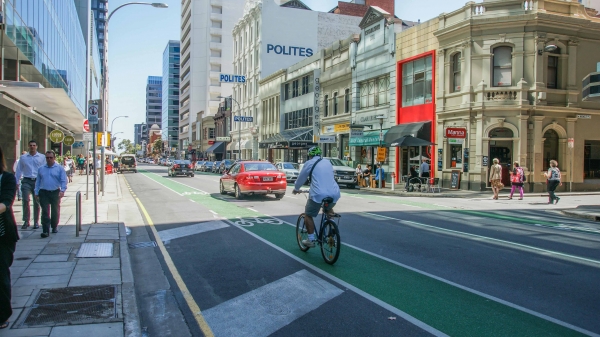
(553, 175)
(358, 173)
(80, 163)
(517, 177)
(69, 168)
(9, 236)
(496, 177)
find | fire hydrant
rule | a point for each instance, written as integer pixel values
(393, 180)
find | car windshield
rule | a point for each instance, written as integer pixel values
(336, 162)
(290, 166)
(259, 167)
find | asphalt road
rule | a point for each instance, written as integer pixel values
(408, 266)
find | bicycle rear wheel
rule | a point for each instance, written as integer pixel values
(330, 242)
(301, 233)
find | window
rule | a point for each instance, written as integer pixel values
(374, 92)
(298, 119)
(286, 92)
(591, 159)
(211, 133)
(550, 147)
(502, 67)
(326, 102)
(347, 101)
(216, 24)
(335, 103)
(456, 72)
(295, 88)
(552, 81)
(455, 156)
(416, 82)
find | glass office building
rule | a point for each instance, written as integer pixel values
(154, 101)
(170, 94)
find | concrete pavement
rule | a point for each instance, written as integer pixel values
(591, 212)
(66, 285)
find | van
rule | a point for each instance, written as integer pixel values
(127, 163)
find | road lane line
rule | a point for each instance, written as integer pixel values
(213, 212)
(253, 210)
(189, 299)
(143, 175)
(491, 239)
(180, 232)
(177, 182)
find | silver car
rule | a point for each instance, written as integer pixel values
(344, 175)
(291, 170)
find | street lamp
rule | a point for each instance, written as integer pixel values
(239, 128)
(113, 121)
(381, 118)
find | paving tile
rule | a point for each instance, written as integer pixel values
(22, 291)
(19, 301)
(102, 266)
(16, 271)
(52, 265)
(89, 330)
(42, 280)
(32, 332)
(47, 272)
(22, 263)
(108, 273)
(51, 258)
(98, 260)
(91, 281)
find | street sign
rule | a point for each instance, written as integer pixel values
(228, 78)
(381, 154)
(571, 143)
(243, 118)
(223, 139)
(78, 145)
(584, 116)
(93, 112)
(356, 133)
(86, 126)
(103, 139)
(87, 137)
(325, 139)
(69, 140)
(56, 136)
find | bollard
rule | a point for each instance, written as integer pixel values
(393, 180)
(77, 213)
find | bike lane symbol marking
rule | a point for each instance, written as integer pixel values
(249, 222)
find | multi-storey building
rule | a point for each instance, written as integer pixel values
(274, 35)
(100, 11)
(138, 133)
(44, 75)
(170, 96)
(206, 52)
(154, 101)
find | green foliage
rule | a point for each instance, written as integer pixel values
(157, 146)
(126, 146)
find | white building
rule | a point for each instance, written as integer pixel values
(273, 35)
(206, 51)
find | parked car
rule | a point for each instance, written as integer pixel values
(181, 167)
(169, 162)
(225, 165)
(207, 166)
(127, 163)
(252, 178)
(291, 170)
(344, 175)
(198, 165)
(215, 167)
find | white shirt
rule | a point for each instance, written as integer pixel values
(322, 183)
(424, 168)
(28, 165)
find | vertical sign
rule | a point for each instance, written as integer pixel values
(316, 105)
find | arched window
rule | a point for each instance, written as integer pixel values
(501, 133)
(456, 72)
(502, 67)
(552, 72)
(550, 147)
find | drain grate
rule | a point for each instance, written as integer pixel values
(76, 305)
(142, 244)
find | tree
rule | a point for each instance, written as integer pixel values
(157, 146)
(126, 146)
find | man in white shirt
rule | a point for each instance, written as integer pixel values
(322, 185)
(27, 169)
(15, 171)
(424, 170)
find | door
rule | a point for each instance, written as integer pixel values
(502, 150)
(231, 177)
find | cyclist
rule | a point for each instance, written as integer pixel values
(322, 185)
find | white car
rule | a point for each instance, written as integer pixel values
(344, 175)
(291, 170)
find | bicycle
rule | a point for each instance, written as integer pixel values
(328, 234)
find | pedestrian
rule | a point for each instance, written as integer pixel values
(413, 174)
(424, 169)
(69, 168)
(553, 177)
(9, 235)
(50, 187)
(367, 176)
(517, 178)
(380, 176)
(28, 170)
(496, 177)
(15, 172)
(359, 174)
(80, 163)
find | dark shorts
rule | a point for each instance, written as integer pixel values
(312, 208)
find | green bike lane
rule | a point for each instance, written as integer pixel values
(447, 308)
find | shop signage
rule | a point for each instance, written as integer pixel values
(485, 160)
(223, 139)
(368, 139)
(456, 133)
(316, 105)
(328, 129)
(345, 127)
(571, 143)
(584, 116)
(356, 133)
(455, 141)
(326, 139)
(56, 136)
(243, 118)
(381, 154)
(301, 144)
(227, 78)
(69, 140)
(289, 50)
(78, 145)
(210, 142)
(368, 119)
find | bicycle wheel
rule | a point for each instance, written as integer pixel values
(330, 242)
(301, 233)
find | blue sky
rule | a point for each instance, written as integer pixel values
(138, 36)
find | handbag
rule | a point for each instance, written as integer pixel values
(515, 178)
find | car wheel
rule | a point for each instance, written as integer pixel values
(238, 192)
(135, 171)
(222, 188)
(351, 186)
(191, 175)
(279, 196)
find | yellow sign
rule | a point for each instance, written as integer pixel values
(345, 127)
(103, 139)
(69, 140)
(381, 154)
(56, 136)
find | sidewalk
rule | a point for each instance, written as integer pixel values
(591, 212)
(76, 286)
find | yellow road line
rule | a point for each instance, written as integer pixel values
(184, 290)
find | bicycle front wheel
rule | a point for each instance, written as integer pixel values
(301, 233)
(330, 242)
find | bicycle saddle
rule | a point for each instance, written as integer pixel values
(328, 200)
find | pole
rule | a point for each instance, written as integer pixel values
(95, 176)
(102, 164)
(571, 168)
(87, 170)
(77, 213)
(240, 135)
(380, 144)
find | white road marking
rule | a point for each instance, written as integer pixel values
(180, 232)
(253, 210)
(213, 212)
(197, 189)
(143, 175)
(287, 196)
(269, 308)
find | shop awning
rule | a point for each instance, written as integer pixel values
(217, 147)
(420, 130)
(230, 146)
(299, 134)
(370, 138)
(409, 141)
(247, 145)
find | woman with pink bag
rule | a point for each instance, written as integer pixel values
(517, 178)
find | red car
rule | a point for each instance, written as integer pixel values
(253, 177)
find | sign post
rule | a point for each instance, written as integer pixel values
(571, 144)
(93, 106)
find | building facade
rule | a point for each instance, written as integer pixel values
(170, 95)
(154, 101)
(206, 52)
(513, 90)
(44, 75)
(138, 134)
(100, 12)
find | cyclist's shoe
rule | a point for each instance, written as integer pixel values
(308, 243)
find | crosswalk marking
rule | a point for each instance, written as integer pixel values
(180, 232)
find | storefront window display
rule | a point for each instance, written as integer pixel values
(591, 159)
(455, 156)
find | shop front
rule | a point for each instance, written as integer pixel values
(289, 146)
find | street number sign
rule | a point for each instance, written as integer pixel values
(56, 136)
(69, 140)
(243, 118)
